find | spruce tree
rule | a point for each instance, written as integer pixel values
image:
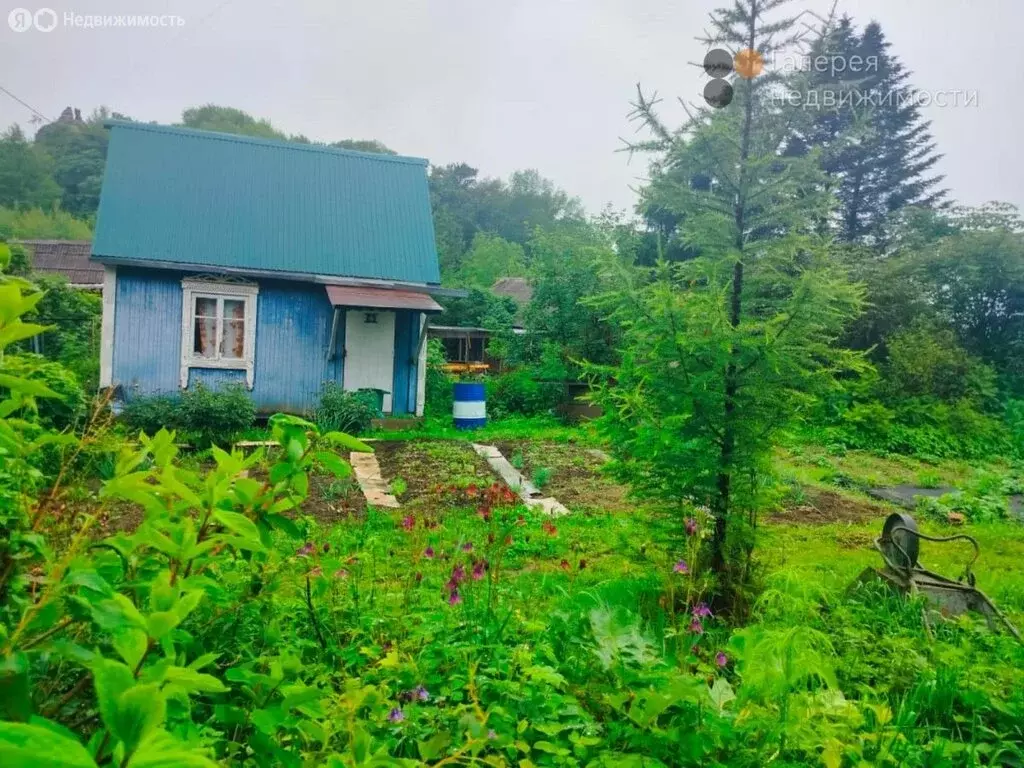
(874, 142)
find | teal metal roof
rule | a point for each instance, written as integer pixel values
(183, 196)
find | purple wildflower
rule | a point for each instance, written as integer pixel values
(318, 571)
(478, 569)
(305, 550)
(396, 715)
(421, 693)
(701, 611)
(467, 547)
(341, 573)
(681, 567)
(721, 659)
(691, 526)
(408, 522)
(454, 598)
(428, 553)
(696, 627)
(458, 574)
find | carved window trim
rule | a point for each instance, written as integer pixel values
(220, 289)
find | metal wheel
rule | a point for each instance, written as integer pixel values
(899, 541)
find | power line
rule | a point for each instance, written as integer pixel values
(25, 104)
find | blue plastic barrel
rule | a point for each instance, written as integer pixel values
(469, 408)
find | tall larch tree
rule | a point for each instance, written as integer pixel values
(723, 350)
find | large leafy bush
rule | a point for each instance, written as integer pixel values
(60, 412)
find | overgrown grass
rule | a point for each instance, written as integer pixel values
(510, 428)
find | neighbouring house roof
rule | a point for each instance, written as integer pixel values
(69, 258)
(380, 298)
(518, 288)
(457, 332)
(182, 196)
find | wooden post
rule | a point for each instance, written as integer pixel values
(423, 338)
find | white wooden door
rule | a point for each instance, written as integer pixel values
(370, 352)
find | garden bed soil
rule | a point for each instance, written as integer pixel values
(423, 465)
(331, 500)
(574, 480)
(822, 507)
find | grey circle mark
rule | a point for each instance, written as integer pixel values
(718, 93)
(718, 62)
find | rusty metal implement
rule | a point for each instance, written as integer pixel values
(900, 544)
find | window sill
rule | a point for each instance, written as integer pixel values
(205, 362)
(200, 363)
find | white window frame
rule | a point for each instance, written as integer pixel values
(191, 289)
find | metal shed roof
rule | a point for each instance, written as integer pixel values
(183, 196)
(380, 298)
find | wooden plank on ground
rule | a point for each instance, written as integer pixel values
(376, 491)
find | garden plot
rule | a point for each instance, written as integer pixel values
(817, 506)
(567, 471)
(528, 492)
(414, 469)
(331, 500)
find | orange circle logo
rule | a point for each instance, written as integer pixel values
(749, 63)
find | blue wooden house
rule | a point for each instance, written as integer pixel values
(274, 264)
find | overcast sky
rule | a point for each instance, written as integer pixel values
(498, 84)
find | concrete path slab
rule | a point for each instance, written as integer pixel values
(514, 479)
(373, 486)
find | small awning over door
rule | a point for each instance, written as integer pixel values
(363, 297)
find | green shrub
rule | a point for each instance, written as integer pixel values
(926, 427)
(341, 411)
(151, 413)
(202, 415)
(975, 508)
(211, 416)
(73, 317)
(57, 412)
(519, 393)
